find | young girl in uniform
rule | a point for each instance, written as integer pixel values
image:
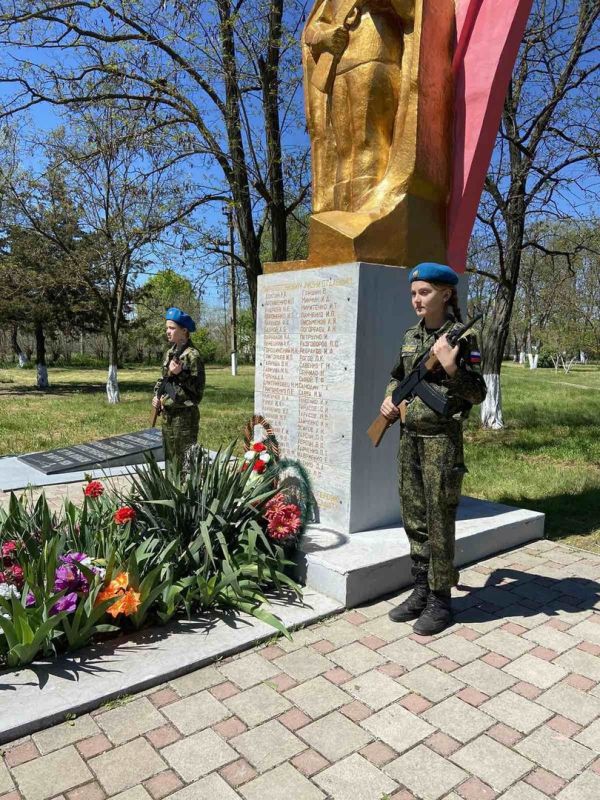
(430, 462)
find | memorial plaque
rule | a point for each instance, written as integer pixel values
(111, 452)
(326, 341)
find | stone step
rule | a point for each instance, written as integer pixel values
(46, 692)
(353, 568)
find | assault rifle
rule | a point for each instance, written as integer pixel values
(415, 385)
(166, 385)
(348, 17)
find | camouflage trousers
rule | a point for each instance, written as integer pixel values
(179, 430)
(430, 471)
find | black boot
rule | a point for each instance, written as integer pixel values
(436, 616)
(416, 602)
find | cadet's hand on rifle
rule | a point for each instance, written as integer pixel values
(446, 355)
(156, 403)
(389, 410)
(335, 40)
(175, 366)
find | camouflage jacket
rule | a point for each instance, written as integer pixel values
(189, 383)
(465, 389)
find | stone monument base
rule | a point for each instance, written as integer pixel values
(403, 237)
(355, 568)
(326, 341)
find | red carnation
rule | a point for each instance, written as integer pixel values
(259, 466)
(17, 575)
(283, 519)
(9, 549)
(124, 515)
(93, 489)
(259, 447)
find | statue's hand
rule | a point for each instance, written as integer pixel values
(335, 40)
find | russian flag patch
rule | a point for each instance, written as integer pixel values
(475, 357)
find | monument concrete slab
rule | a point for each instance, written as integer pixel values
(114, 451)
(363, 565)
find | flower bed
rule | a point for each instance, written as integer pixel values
(218, 535)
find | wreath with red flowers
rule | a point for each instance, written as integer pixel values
(290, 509)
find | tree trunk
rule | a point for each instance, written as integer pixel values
(238, 173)
(269, 72)
(491, 408)
(112, 382)
(22, 358)
(516, 347)
(494, 343)
(40, 357)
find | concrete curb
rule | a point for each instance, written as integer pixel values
(44, 694)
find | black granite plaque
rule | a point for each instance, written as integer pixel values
(126, 449)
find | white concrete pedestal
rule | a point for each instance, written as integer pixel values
(354, 569)
(327, 339)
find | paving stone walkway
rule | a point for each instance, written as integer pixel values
(505, 704)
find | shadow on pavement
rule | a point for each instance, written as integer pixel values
(510, 593)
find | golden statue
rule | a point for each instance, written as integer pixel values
(378, 99)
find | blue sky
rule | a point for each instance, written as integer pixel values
(581, 195)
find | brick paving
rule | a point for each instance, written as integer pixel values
(503, 705)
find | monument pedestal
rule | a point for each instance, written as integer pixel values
(327, 339)
(356, 568)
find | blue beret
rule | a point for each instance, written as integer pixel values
(181, 318)
(429, 271)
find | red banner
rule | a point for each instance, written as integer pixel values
(489, 33)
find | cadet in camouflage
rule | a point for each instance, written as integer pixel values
(430, 458)
(186, 378)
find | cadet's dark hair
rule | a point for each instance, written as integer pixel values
(453, 301)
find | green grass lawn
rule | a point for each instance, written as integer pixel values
(75, 410)
(546, 458)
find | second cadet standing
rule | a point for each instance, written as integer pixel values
(178, 393)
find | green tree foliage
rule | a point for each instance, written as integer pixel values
(557, 302)
(39, 289)
(219, 79)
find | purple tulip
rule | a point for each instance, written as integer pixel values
(71, 558)
(67, 602)
(30, 599)
(69, 577)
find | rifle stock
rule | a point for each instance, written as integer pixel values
(378, 428)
